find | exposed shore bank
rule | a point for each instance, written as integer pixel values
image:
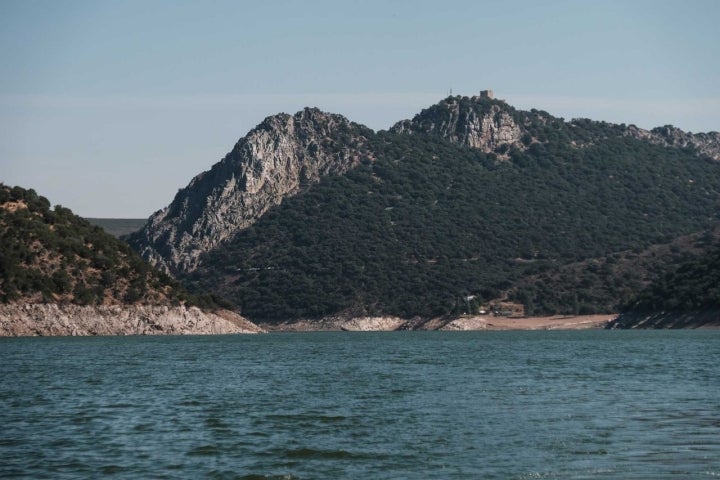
(555, 322)
(480, 322)
(708, 318)
(74, 320)
(24, 320)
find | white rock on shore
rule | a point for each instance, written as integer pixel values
(18, 320)
(372, 324)
(339, 323)
(555, 322)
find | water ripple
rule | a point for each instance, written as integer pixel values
(455, 405)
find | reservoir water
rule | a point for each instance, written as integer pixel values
(405, 405)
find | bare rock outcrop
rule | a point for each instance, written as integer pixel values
(493, 126)
(340, 323)
(478, 122)
(20, 320)
(706, 144)
(372, 324)
(277, 159)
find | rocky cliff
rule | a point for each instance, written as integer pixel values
(706, 144)
(75, 320)
(279, 158)
(479, 122)
(493, 126)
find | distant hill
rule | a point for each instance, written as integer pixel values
(312, 215)
(118, 227)
(50, 255)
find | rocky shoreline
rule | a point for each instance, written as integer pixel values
(708, 318)
(555, 322)
(464, 323)
(24, 320)
(339, 324)
(20, 320)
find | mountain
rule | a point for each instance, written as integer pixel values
(60, 275)
(465, 200)
(279, 158)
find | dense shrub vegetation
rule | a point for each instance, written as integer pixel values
(608, 283)
(52, 255)
(692, 285)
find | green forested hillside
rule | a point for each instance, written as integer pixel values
(428, 222)
(693, 285)
(51, 255)
(606, 283)
(683, 295)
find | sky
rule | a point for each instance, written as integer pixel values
(109, 107)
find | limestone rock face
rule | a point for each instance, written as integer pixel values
(706, 144)
(278, 158)
(475, 122)
(373, 324)
(493, 126)
(22, 320)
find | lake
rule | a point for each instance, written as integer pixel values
(399, 405)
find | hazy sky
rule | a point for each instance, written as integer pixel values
(109, 107)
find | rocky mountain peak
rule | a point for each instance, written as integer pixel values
(278, 158)
(479, 121)
(493, 126)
